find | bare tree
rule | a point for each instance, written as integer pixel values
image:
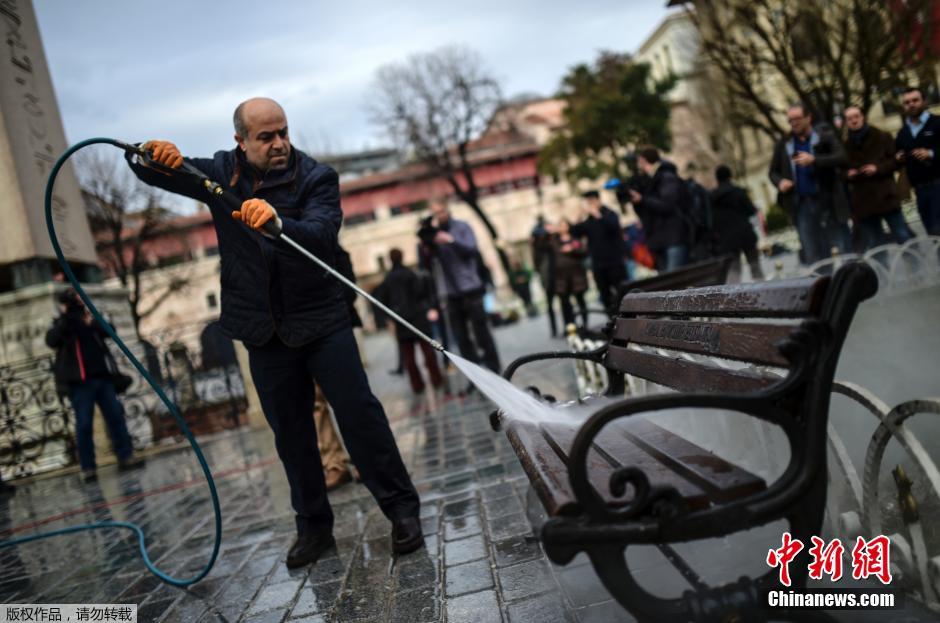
(433, 105)
(825, 54)
(131, 213)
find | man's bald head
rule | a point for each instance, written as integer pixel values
(252, 107)
(261, 132)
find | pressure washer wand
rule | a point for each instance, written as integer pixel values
(434, 343)
(272, 230)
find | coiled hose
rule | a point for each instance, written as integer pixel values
(156, 387)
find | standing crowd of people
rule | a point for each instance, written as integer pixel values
(678, 222)
(839, 189)
(825, 181)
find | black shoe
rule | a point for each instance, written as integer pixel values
(6, 489)
(133, 462)
(89, 475)
(308, 548)
(406, 535)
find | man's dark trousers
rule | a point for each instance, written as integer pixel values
(928, 204)
(467, 310)
(84, 395)
(608, 280)
(284, 378)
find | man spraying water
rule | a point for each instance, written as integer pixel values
(292, 317)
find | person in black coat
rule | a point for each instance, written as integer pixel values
(662, 210)
(731, 217)
(543, 256)
(293, 318)
(409, 296)
(605, 248)
(871, 168)
(806, 168)
(918, 148)
(84, 371)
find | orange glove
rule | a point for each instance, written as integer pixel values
(165, 153)
(255, 213)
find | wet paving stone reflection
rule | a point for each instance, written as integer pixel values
(479, 562)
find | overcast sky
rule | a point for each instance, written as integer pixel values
(176, 70)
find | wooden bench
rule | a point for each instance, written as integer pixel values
(710, 272)
(616, 478)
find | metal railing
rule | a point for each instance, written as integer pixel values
(193, 363)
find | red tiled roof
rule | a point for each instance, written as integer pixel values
(175, 224)
(483, 153)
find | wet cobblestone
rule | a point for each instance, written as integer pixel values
(480, 561)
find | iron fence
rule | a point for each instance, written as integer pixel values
(193, 363)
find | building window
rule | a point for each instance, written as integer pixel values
(211, 301)
(355, 219)
(171, 260)
(416, 206)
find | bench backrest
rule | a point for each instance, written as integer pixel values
(709, 272)
(780, 324)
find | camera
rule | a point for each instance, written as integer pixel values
(638, 182)
(427, 231)
(69, 298)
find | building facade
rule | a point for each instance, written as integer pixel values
(673, 50)
(701, 131)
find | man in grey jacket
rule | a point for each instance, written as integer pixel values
(806, 171)
(450, 247)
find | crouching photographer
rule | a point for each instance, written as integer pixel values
(86, 372)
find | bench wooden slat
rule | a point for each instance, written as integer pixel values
(731, 340)
(549, 447)
(784, 298)
(545, 469)
(682, 374)
(723, 481)
(699, 476)
(620, 450)
(710, 272)
(561, 438)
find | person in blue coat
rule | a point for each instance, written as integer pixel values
(293, 318)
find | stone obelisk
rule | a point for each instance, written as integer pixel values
(31, 138)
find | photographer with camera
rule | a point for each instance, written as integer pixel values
(86, 371)
(601, 227)
(449, 248)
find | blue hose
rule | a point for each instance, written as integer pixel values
(140, 368)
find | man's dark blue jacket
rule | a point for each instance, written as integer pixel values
(268, 287)
(921, 171)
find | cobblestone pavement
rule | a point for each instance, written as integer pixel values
(480, 562)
